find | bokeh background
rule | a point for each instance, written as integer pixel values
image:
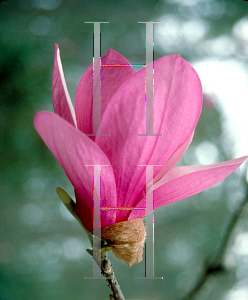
(42, 248)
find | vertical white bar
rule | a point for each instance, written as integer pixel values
(149, 83)
(149, 272)
(96, 107)
(149, 78)
(149, 220)
(96, 79)
(97, 224)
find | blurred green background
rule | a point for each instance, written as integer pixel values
(42, 248)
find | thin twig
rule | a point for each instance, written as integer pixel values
(107, 271)
(216, 264)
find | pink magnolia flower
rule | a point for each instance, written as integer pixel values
(177, 107)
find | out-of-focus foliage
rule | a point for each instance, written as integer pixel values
(42, 249)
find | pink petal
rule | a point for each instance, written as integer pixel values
(183, 182)
(73, 150)
(174, 159)
(62, 104)
(111, 80)
(177, 106)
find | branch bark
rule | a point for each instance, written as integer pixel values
(108, 272)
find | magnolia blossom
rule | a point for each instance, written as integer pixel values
(119, 147)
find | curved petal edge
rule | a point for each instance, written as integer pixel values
(183, 182)
(62, 104)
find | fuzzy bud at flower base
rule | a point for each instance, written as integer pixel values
(126, 239)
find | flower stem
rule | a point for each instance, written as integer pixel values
(216, 264)
(107, 271)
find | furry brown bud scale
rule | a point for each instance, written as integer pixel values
(127, 239)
